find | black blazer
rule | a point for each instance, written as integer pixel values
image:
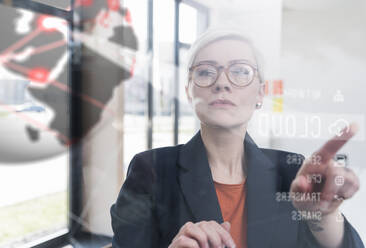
(167, 187)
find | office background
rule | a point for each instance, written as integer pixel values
(85, 85)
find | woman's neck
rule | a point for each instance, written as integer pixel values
(225, 152)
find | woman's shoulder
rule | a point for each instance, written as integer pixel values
(145, 167)
(158, 153)
(153, 158)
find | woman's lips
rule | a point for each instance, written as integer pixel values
(221, 102)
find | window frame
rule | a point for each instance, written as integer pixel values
(205, 13)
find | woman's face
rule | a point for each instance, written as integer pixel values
(243, 99)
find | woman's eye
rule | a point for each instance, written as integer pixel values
(240, 71)
(205, 73)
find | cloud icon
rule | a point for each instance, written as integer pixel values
(337, 127)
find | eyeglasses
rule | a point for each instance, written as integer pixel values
(239, 74)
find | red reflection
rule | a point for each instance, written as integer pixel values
(113, 5)
(39, 75)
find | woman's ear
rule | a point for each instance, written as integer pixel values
(261, 92)
(189, 97)
(260, 96)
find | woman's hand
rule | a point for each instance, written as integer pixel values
(204, 234)
(322, 182)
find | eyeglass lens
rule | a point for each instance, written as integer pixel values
(239, 74)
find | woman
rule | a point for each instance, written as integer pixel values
(220, 189)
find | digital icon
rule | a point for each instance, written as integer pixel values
(277, 104)
(338, 97)
(339, 180)
(341, 160)
(337, 127)
(314, 178)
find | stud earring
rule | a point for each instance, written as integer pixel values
(258, 105)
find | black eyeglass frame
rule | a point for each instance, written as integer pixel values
(219, 70)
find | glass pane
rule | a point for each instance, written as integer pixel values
(108, 63)
(187, 23)
(135, 89)
(163, 74)
(34, 125)
(188, 122)
(316, 105)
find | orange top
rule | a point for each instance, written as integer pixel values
(232, 201)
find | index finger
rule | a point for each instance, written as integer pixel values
(329, 149)
(224, 234)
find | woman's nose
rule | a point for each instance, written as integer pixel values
(222, 83)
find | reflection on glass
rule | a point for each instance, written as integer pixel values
(135, 88)
(34, 125)
(163, 74)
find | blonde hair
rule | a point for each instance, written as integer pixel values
(213, 35)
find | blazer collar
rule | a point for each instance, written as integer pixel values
(262, 183)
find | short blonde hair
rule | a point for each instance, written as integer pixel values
(213, 35)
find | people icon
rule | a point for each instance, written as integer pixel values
(338, 97)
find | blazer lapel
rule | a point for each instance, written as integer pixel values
(263, 182)
(196, 181)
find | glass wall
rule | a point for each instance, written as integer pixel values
(156, 65)
(193, 20)
(163, 72)
(135, 88)
(34, 125)
(323, 72)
